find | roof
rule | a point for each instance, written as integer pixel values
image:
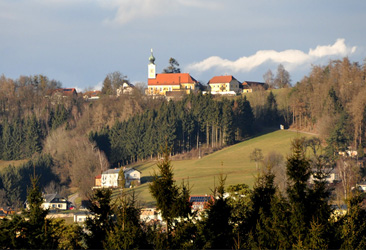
(50, 197)
(222, 79)
(200, 198)
(112, 171)
(250, 83)
(172, 79)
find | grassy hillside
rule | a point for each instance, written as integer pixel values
(233, 161)
(16, 163)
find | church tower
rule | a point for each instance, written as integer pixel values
(152, 67)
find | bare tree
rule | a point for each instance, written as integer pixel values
(256, 156)
(269, 78)
(282, 79)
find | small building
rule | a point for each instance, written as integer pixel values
(331, 176)
(54, 202)
(132, 177)
(98, 181)
(224, 85)
(150, 214)
(126, 88)
(92, 95)
(250, 86)
(200, 202)
(110, 178)
(80, 217)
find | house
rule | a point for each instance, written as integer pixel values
(110, 178)
(331, 176)
(126, 88)
(65, 92)
(200, 202)
(224, 85)
(54, 202)
(80, 217)
(132, 177)
(98, 181)
(92, 95)
(150, 214)
(161, 84)
(250, 86)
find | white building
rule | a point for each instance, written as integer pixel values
(110, 178)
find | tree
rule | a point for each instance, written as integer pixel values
(100, 223)
(282, 79)
(256, 156)
(37, 230)
(216, 227)
(172, 68)
(269, 78)
(127, 232)
(170, 199)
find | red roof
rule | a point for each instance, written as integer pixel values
(171, 79)
(221, 79)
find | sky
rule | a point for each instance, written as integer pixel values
(78, 42)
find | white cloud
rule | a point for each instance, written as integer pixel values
(289, 58)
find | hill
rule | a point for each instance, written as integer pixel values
(232, 161)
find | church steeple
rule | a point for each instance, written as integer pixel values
(152, 58)
(151, 66)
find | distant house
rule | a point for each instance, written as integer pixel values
(250, 86)
(224, 85)
(98, 181)
(66, 92)
(331, 176)
(126, 88)
(131, 175)
(54, 202)
(110, 178)
(92, 95)
(80, 217)
(200, 202)
(150, 214)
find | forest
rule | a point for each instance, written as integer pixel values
(79, 139)
(261, 217)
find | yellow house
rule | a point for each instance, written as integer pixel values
(160, 84)
(224, 85)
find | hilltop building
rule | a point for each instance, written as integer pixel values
(167, 83)
(224, 85)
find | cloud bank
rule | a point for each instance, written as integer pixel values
(289, 58)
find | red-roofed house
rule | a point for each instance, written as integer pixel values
(224, 85)
(160, 84)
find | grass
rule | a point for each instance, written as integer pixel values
(234, 162)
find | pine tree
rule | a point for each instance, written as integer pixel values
(37, 230)
(100, 221)
(217, 229)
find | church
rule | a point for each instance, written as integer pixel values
(165, 84)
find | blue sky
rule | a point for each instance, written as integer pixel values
(78, 42)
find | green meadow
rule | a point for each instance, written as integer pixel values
(233, 162)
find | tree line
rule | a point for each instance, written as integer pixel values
(263, 217)
(184, 125)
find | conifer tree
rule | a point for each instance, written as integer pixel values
(100, 221)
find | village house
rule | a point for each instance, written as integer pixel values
(331, 176)
(92, 95)
(250, 86)
(110, 178)
(200, 202)
(54, 202)
(161, 84)
(224, 85)
(126, 88)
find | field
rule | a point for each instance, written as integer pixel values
(234, 162)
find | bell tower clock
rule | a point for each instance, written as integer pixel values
(151, 66)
